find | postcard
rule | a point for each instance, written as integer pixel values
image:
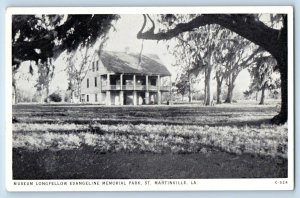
(149, 98)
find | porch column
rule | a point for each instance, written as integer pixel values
(121, 97)
(158, 97)
(147, 83)
(134, 82)
(158, 90)
(147, 97)
(147, 101)
(158, 82)
(134, 90)
(121, 90)
(121, 81)
(108, 81)
(108, 99)
(134, 98)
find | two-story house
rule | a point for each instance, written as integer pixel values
(120, 78)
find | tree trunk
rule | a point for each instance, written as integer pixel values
(229, 90)
(282, 61)
(207, 86)
(190, 90)
(14, 85)
(219, 90)
(229, 94)
(15, 94)
(231, 80)
(72, 96)
(282, 117)
(262, 98)
(42, 94)
(79, 88)
(47, 94)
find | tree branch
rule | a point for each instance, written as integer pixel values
(244, 63)
(242, 24)
(144, 24)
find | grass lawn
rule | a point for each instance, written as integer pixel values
(185, 141)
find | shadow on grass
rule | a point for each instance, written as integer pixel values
(88, 163)
(257, 122)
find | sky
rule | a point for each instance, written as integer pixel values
(124, 36)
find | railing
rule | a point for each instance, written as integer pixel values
(152, 88)
(137, 87)
(140, 87)
(111, 87)
(128, 87)
(118, 87)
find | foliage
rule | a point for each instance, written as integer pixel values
(208, 48)
(78, 65)
(46, 72)
(55, 97)
(261, 75)
(193, 57)
(182, 83)
(39, 37)
(79, 62)
(42, 38)
(234, 53)
(264, 140)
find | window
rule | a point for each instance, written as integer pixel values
(87, 83)
(96, 98)
(93, 66)
(95, 81)
(97, 65)
(87, 98)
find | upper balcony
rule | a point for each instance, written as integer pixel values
(133, 82)
(136, 88)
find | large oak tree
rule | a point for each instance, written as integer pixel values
(261, 75)
(246, 25)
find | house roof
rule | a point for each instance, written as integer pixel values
(122, 62)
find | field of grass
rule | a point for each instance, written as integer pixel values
(187, 141)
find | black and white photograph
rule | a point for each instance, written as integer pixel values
(185, 98)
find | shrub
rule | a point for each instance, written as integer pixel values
(55, 97)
